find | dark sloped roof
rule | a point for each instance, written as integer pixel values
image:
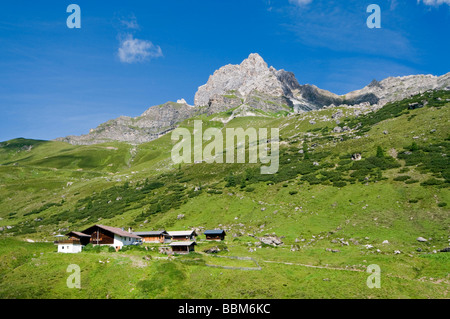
(77, 233)
(114, 230)
(214, 232)
(182, 233)
(183, 243)
(151, 233)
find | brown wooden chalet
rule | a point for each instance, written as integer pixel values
(183, 235)
(183, 247)
(78, 237)
(155, 237)
(106, 235)
(217, 235)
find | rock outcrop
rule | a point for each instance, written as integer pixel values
(398, 88)
(254, 81)
(253, 74)
(153, 123)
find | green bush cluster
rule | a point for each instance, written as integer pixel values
(133, 248)
(89, 248)
(118, 200)
(43, 208)
(396, 109)
(402, 178)
(294, 165)
(429, 159)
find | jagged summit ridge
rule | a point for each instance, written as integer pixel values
(249, 86)
(253, 74)
(253, 78)
(153, 123)
(397, 88)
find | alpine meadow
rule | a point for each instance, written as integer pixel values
(259, 187)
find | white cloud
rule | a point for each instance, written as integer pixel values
(393, 4)
(135, 50)
(130, 23)
(300, 2)
(434, 2)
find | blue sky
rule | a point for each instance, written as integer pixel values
(130, 55)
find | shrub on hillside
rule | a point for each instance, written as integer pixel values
(432, 182)
(339, 184)
(89, 248)
(402, 178)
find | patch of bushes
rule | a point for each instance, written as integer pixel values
(429, 159)
(402, 178)
(12, 215)
(404, 170)
(311, 179)
(194, 193)
(432, 182)
(345, 162)
(43, 208)
(396, 109)
(133, 248)
(89, 248)
(214, 191)
(339, 184)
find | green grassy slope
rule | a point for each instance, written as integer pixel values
(320, 201)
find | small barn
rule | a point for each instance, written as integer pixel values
(188, 235)
(83, 238)
(154, 237)
(183, 247)
(69, 246)
(217, 235)
(73, 244)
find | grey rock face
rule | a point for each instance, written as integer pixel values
(398, 88)
(222, 103)
(254, 83)
(153, 123)
(253, 74)
(310, 97)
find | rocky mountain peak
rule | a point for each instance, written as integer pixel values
(249, 86)
(253, 74)
(254, 64)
